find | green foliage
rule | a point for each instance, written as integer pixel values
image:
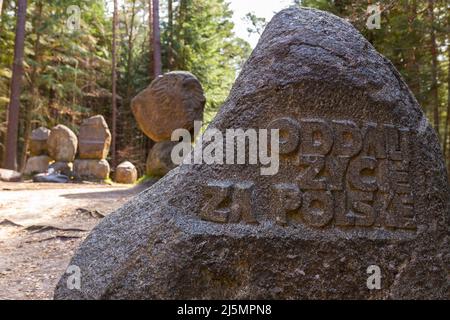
(204, 44)
(68, 73)
(257, 23)
(61, 67)
(145, 178)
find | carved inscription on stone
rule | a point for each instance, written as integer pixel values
(228, 202)
(343, 175)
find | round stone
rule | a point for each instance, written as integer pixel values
(172, 101)
(62, 144)
(126, 173)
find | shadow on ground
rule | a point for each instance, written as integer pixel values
(112, 194)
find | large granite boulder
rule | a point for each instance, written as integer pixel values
(37, 164)
(126, 173)
(94, 138)
(361, 187)
(38, 141)
(7, 175)
(91, 169)
(159, 160)
(172, 101)
(62, 144)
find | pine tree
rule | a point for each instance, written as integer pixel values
(156, 40)
(114, 83)
(434, 68)
(68, 73)
(16, 85)
(204, 43)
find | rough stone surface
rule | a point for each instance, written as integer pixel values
(37, 164)
(91, 169)
(62, 144)
(64, 168)
(94, 138)
(38, 141)
(7, 175)
(172, 101)
(126, 173)
(159, 160)
(379, 196)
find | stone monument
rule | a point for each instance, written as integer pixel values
(37, 164)
(39, 160)
(126, 173)
(62, 144)
(94, 141)
(91, 169)
(361, 189)
(62, 147)
(172, 101)
(7, 175)
(94, 138)
(159, 160)
(38, 141)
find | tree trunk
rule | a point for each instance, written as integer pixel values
(156, 40)
(150, 39)
(434, 67)
(447, 121)
(37, 22)
(170, 28)
(413, 63)
(114, 85)
(130, 49)
(2, 5)
(16, 85)
(1, 9)
(182, 17)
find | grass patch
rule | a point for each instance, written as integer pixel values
(145, 178)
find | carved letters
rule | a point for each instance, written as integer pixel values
(343, 175)
(228, 202)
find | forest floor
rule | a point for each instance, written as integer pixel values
(41, 225)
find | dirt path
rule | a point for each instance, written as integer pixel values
(40, 227)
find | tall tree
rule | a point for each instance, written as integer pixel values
(114, 84)
(150, 38)
(446, 140)
(3, 4)
(16, 84)
(31, 104)
(170, 36)
(447, 121)
(130, 35)
(413, 64)
(157, 69)
(205, 45)
(434, 68)
(69, 72)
